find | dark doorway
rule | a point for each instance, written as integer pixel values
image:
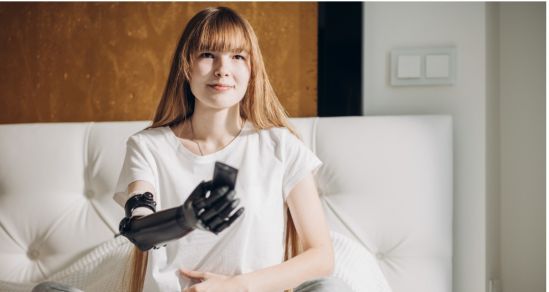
(339, 59)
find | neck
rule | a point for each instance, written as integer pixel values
(215, 127)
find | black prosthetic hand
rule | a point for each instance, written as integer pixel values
(209, 207)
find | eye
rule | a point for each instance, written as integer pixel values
(206, 55)
(239, 57)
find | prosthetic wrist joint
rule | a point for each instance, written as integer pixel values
(140, 200)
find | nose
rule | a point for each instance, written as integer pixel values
(221, 69)
(221, 74)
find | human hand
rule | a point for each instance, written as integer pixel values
(210, 282)
(211, 212)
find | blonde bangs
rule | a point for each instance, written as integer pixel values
(223, 33)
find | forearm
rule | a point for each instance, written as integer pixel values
(313, 263)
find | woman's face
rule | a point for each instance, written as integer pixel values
(219, 79)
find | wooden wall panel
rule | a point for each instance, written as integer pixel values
(66, 62)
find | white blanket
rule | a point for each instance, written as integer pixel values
(103, 268)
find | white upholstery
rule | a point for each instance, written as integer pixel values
(386, 182)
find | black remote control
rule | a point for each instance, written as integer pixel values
(224, 175)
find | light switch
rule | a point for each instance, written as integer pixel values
(409, 67)
(423, 66)
(437, 66)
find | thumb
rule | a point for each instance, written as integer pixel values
(192, 274)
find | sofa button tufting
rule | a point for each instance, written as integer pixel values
(33, 254)
(380, 256)
(89, 194)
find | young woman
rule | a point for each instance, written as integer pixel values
(218, 105)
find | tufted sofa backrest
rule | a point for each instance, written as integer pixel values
(386, 182)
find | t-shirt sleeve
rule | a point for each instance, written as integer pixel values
(138, 165)
(299, 161)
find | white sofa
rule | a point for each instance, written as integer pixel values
(386, 182)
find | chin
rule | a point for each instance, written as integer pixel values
(221, 102)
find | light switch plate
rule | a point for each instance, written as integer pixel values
(437, 66)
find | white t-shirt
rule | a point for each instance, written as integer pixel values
(270, 163)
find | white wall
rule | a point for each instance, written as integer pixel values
(493, 201)
(485, 101)
(392, 25)
(522, 123)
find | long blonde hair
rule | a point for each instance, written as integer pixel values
(218, 29)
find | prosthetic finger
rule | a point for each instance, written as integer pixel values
(199, 204)
(201, 190)
(215, 195)
(215, 208)
(198, 194)
(228, 223)
(227, 211)
(222, 215)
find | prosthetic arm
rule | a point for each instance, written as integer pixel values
(209, 207)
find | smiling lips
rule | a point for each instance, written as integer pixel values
(221, 86)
